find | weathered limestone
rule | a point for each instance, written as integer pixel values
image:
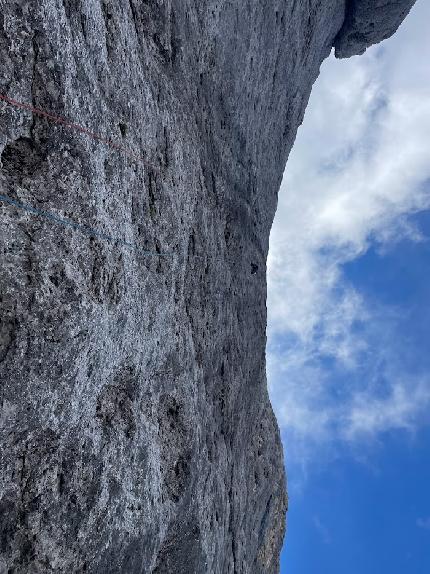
(368, 22)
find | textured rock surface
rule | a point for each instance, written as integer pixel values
(136, 431)
(368, 22)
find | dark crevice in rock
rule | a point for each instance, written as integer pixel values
(23, 158)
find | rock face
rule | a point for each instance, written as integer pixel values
(368, 22)
(136, 430)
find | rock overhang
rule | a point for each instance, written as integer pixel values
(369, 22)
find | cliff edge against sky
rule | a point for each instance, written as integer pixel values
(142, 146)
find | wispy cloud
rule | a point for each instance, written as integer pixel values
(369, 415)
(424, 523)
(360, 168)
(322, 530)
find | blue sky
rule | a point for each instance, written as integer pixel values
(349, 315)
(357, 519)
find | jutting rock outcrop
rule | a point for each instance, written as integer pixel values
(142, 147)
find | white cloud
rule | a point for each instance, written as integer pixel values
(358, 169)
(369, 415)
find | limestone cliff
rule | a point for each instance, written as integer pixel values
(142, 147)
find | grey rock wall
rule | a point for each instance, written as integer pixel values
(368, 22)
(136, 430)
